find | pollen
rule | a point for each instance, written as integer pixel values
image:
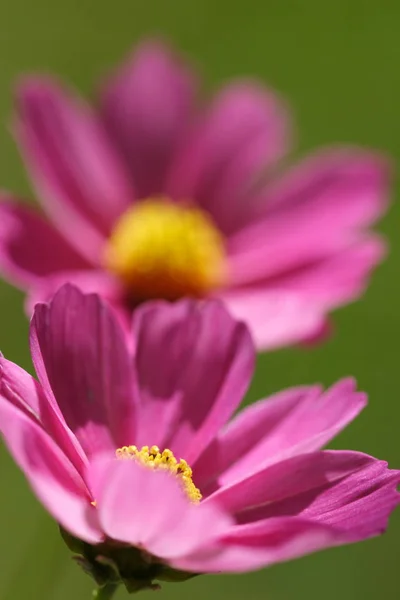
(155, 459)
(162, 249)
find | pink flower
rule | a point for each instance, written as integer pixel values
(153, 195)
(269, 493)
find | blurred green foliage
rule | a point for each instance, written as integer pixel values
(338, 64)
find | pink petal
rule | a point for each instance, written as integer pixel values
(311, 213)
(311, 502)
(25, 393)
(146, 108)
(204, 361)
(360, 505)
(243, 132)
(80, 356)
(319, 335)
(289, 423)
(148, 509)
(252, 547)
(53, 478)
(88, 281)
(30, 248)
(275, 318)
(338, 279)
(293, 307)
(75, 171)
(347, 174)
(290, 485)
(21, 389)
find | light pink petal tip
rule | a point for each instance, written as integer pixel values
(80, 356)
(289, 423)
(53, 478)
(242, 135)
(25, 393)
(276, 318)
(147, 106)
(30, 248)
(21, 389)
(76, 173)
(149, 509)
(204, 362)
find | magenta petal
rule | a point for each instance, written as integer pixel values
(292, 483)
(88, 281)
(137, 505)
(80, 356)
(349, 184)
(254, 546)
(21, 389)
(30, 248)
(203, 360)
(24, 392)
(75, 171)
(147, 107)
(316, 209)
(53, 478)
(360, 505)
(340, 507)
(276, 318)
(291, 422)
(339, 278)
(243, 132)
(348, 490)
(293, 307)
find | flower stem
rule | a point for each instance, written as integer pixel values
(105, 592)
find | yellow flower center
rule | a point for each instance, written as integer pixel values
(161, 249)
(154, 459)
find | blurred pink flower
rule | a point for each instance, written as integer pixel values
(155, 195)
(269, 493)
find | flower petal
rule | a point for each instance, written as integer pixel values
(243, 132)
(338, 279)
(276, 318)
(351, 182)
(252, 547)
(204, 361)
(21, 389)
(289, 423)
(312, 212)
(359, 505)
(53, 478)
(149, 509)
(291, 480)
(80, 356)
(88, 281)
(25, 393)
(146, 108)
(75, 171)
(311, 502)
(30, 248)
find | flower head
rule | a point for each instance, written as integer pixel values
(127, 444)
(153, 195)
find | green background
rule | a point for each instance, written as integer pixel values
(337, 61)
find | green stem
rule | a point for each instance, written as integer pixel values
(105, 592)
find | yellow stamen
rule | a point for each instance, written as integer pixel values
(162, 249)
(155, 459)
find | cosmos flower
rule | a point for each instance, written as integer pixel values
(154, 194)
(127, 444)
